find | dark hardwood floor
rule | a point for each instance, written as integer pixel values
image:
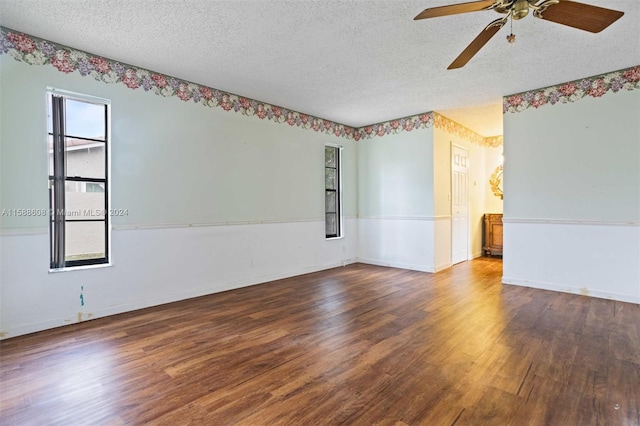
(359, 345)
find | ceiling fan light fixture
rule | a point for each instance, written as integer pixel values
(566, 12)
(520, 9)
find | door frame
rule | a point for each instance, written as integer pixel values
(468, 236)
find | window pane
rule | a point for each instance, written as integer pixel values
(95, 187)
(84, 240)
(330, 201)
(49, 116)
(50, 151)
(330, 178)
(85, 120)
(331, 225)
(85, 158)
(51, 207)
(330, 156)
(52, 200)
(81, 203)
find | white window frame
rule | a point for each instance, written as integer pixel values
(339, 207)
(107, 260)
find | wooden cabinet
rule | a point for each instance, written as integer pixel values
(492, 234)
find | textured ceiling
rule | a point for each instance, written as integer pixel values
(353, 62)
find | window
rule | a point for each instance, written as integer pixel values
(332, 196)
(78, 141)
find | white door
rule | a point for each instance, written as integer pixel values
(459, 204)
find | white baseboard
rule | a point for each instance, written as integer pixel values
(573, 290)
(167, 298)
(413, 267)
(442, 267)
(477, 254)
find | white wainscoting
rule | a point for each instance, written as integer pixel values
(442, 243)
(152, 266)
(402, 242)
(600, 259)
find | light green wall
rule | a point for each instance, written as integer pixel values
(395, 175)
(577, 161)
(572, 197)
(173, 162)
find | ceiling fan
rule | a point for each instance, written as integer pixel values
(573, 14)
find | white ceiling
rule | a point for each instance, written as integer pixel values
(355, 62)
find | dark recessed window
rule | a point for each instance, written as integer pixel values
(332, 198)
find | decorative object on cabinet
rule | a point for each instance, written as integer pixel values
(492, 234)
(496, 182)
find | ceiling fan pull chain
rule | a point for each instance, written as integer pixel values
(511, 38)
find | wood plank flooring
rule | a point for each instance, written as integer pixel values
(359, 345)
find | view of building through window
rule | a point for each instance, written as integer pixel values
(78, 144)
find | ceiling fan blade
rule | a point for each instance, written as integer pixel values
(579, 15)
(477, 44)
(454, 9)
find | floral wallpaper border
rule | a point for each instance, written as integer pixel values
(35, 51)
(493, 141)
(393, 127)
(443, 123)
(573, 91)
(423, 121)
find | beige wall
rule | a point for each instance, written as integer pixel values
(493, 158)
(478, 183)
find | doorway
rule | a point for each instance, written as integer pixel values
(459, 204)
